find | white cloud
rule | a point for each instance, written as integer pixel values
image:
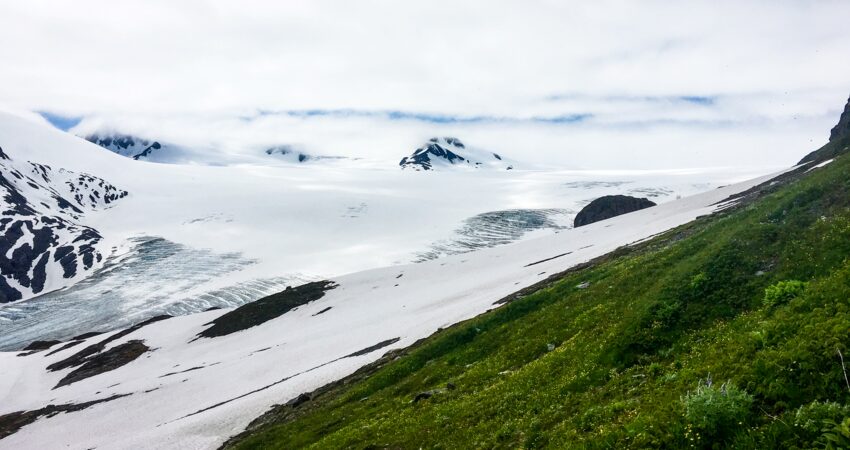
(776, 72)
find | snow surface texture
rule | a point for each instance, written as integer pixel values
(199, 236)
(237, 377)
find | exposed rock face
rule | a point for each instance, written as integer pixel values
(42, 235)
(267, 308)
(449, 151)
(106, 361)
(838, 140)
(842, 129)
(125, 145)
(12, 422)
(610, 206)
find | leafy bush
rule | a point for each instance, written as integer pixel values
(716, 412)
(783, 292)
(810, 418)
(836, 435)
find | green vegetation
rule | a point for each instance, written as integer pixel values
(783, 292)
(716, 413)
(757, 296)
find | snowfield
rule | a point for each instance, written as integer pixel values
(188, 393)
(189, 237)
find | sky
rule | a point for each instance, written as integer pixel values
(575, 84)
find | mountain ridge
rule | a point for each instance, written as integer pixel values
(448, 152)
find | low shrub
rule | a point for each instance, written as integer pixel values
(715, 413)
(783, 292)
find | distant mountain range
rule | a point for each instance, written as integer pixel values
(439, 153)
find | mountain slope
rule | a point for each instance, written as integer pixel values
(728, 331)
(191, 237)
(166, 384)
(46, 244)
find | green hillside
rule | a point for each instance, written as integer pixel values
(726, 332)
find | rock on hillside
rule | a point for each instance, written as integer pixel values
(839, 138)
(842, 129)
(610, 206)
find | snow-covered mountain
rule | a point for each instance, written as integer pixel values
(191, 237)
(441, 152)
(46, 243)
(129, 146)
(172, 383)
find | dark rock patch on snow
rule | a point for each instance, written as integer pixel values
(87, 353)
(40, 345)
(267, 308)
(109, 360)
(610, 206)
(80, 337)
(191, 369)
(372, 348)
(12, 422)
(547, 259)
(323, 311)
(65, 347)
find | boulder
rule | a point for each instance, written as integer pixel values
(610, 206)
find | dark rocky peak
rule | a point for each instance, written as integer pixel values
(116, 141)
(446, 151)
(839, 138)
(610, 206)
(842, 129)
(125, 145)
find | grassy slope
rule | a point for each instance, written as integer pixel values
(653, 322)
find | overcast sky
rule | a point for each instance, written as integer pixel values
(588, 84)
